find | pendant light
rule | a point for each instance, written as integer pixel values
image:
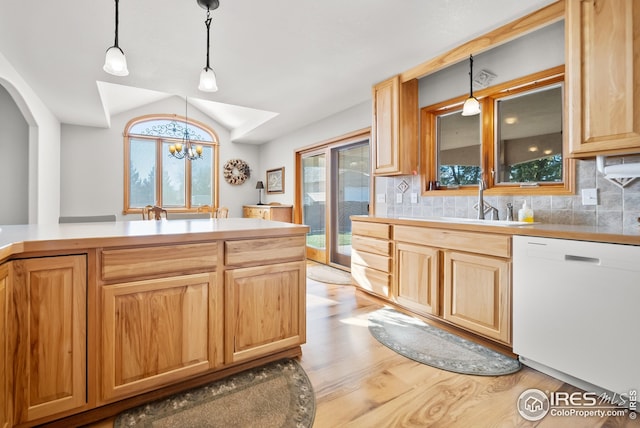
(208, 81)
(471, 105)
(115, 62)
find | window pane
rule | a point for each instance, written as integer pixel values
(529, 133)
(173, 179)
(458, 148)
(202, 178)
(142, 173)
(313, 210)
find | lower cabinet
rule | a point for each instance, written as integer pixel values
(264, 310)
(5, 370)
(158, 331)
(477, 294)
(417, 278)
(47, 335)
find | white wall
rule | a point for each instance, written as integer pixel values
(93, 160)
(14, 171)
(44, 146)
(281, 151)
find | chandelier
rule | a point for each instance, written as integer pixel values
(185, 149)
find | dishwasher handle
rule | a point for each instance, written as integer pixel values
(572, 258)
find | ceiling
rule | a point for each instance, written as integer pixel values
(280, 64)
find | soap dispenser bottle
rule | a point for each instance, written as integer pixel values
(525, 213)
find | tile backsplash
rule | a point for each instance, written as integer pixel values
(617, 207)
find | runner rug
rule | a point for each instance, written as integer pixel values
(430, 345)
(275, 395)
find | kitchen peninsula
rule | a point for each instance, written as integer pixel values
(98, 317)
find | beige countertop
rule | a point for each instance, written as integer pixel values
(15, 239)
(563, 231)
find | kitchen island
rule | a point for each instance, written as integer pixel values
(99, 317)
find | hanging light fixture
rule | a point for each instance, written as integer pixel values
(185, 150)
(471, 105)
(115, 62)
(208, 81)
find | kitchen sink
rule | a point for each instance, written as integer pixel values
(487, 222)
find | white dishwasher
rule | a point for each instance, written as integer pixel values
(576, 309)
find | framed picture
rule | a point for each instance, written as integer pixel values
(275, 180)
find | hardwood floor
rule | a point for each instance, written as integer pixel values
(361, 383)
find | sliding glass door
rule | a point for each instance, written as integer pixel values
(334, 180)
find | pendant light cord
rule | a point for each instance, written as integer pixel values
(470, 76)
(208, 24)
(116, 36)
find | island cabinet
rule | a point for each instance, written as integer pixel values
(603, 76)
(46, 324)
(265, 283)
(161, 316)
(371, 258)
(5, 403)
(394, 132)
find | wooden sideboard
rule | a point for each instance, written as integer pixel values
(269, 212)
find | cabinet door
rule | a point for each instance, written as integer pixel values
(5, 420)
(265, 310)
(477, 294)
(395, 127)
(603, 76)
(158, 331)
(417, 278)
(48, 322)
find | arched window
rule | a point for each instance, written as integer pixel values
(153, 177)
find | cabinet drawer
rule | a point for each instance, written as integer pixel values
(264, 250)
(158, 261)
(371, 245)
(373, 230)
(250, 212)
(371, 280)
(473, 242)
(374, 261)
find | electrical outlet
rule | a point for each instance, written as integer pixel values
(398, 198)
(414, 198)
(381, 198)
(589, 196)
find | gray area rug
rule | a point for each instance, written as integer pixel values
(328, 274)
(275, 395)
(430, 345)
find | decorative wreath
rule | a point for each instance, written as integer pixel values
(236, 171)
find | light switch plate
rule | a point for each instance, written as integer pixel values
(398, 198)
(380, 198)
(589, 196)
(414, 198)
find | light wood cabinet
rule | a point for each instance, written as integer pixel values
(269, 212)
(477, 294)
(265, 310)
(603, 76)
(158, 331)
(47, 327)
(417, 278)
(394, 133)
(371, 257)
(5, 370)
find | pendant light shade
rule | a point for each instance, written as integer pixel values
(208, 82)
(115, 62)
(471, 105)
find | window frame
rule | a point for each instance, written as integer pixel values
(159, 140)
(487, 98)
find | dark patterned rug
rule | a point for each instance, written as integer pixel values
(430, 345)
(275, 395)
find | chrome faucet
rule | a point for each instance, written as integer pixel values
(481, 187)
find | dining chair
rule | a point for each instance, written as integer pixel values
(221, 212)
(153, 213)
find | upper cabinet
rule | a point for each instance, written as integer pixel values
(394, 139)
(603, 76)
